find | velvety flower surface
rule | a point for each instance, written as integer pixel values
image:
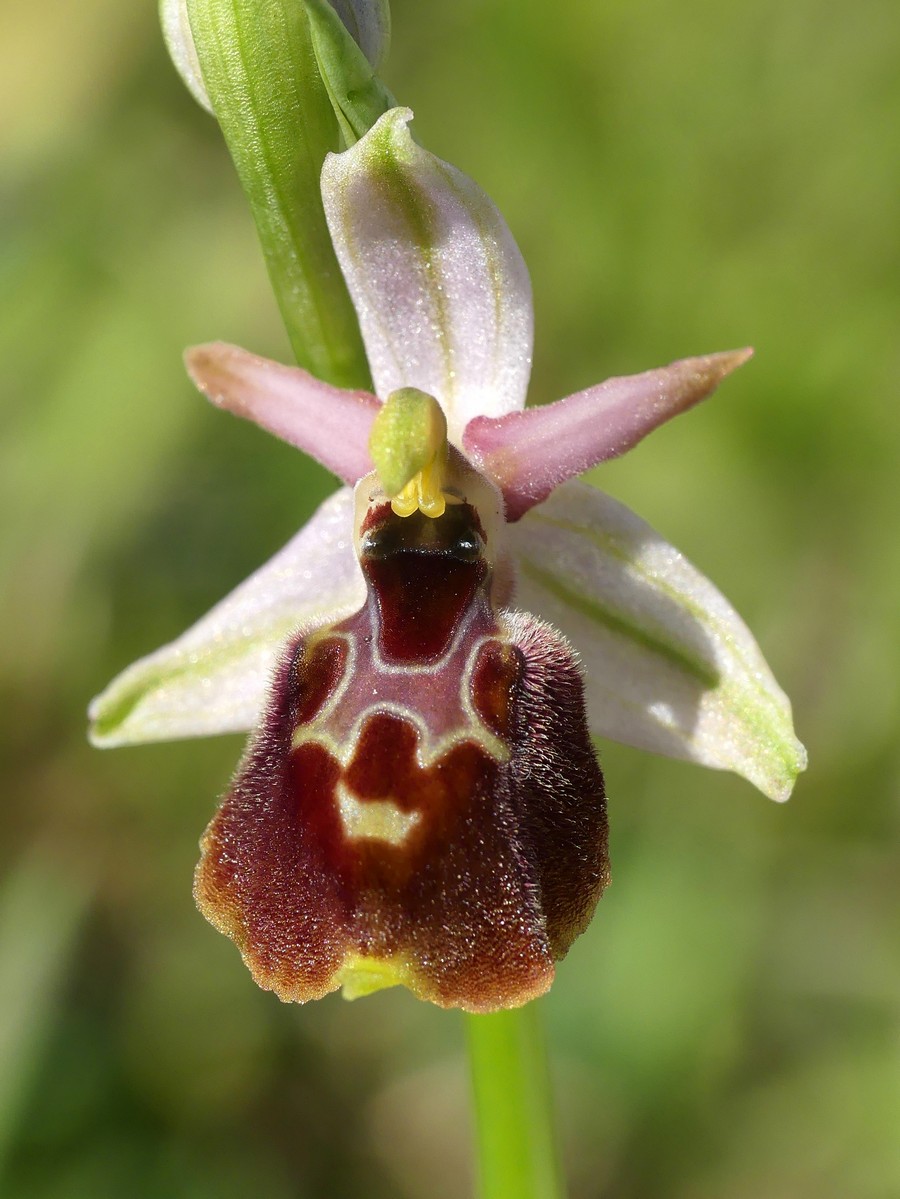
(420, 802)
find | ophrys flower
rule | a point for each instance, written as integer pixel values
(420, 802)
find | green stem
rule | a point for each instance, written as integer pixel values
(513, 1111)
(261, 74)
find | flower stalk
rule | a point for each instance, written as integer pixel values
(512, 1106)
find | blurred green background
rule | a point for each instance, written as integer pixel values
(681, 178)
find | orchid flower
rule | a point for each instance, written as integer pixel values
(424, 664)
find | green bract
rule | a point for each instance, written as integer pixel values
(357, 95)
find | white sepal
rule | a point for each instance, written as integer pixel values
(669, 664)
(440, 288)
(214, 677)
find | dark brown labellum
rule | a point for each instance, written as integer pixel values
(421, 804)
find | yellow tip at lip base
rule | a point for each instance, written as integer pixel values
(361, 976)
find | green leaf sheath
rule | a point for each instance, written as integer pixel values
(512, 1106)
(261, 74)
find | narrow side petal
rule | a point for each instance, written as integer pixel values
(329, 423)
(213, 678)
(528, 454)
(669, 665)
(440, 287)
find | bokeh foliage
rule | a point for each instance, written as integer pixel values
(681, 178)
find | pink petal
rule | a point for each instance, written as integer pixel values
(529, 453)
(328, 423)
